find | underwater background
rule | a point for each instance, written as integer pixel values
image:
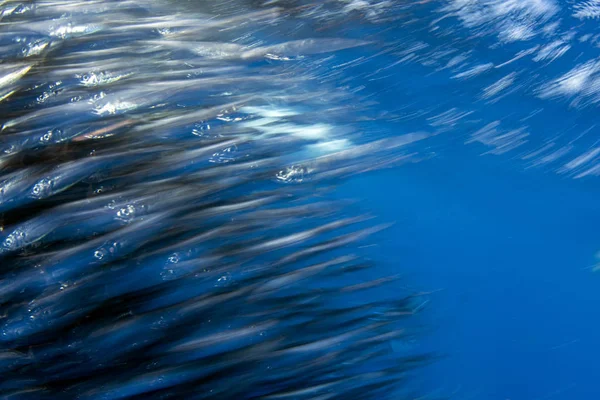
(503, 219)
(496, 204)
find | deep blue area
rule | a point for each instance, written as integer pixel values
(516, 317)
(511, 249)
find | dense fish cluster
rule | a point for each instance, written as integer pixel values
(166, 226)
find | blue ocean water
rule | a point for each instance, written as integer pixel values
(509, 251)
(501, 220)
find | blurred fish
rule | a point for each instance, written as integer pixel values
(233, 51)
(14, 188)
(9, 76)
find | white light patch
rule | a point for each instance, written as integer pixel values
(308, 132)
(270, 112)
(111, 108)
(330, 146)
(257, 123)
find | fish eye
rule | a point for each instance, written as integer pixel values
(99, 254)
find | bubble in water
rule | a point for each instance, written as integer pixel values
(126, 213)
(295, 173)
(224, 280)
(225, 156)
(100, 254)
(201, 129)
